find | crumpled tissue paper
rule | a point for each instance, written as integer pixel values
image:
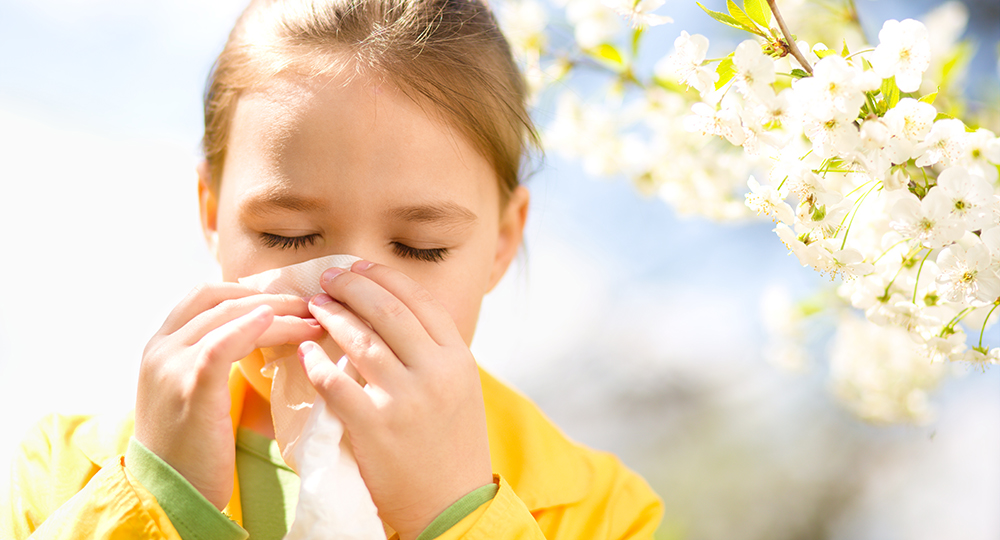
(333, 499)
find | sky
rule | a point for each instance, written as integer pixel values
(635, 330)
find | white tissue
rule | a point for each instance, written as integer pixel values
(333, 499)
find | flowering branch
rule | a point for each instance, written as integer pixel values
(874, 184)
(792, 47)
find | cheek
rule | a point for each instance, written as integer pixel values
(460, 291)
(464, 310)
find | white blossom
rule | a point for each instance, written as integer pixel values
(812, 253)
(948, 347)
(849, 263)
(586, 131)
(832, 136)
(769, 201)
(909, 122)
(593, 23)
(928, 220)
(639, 13)
(982, 154)
(944, 144)
(922, 323)
(686, 63)
(966, 275)
(903, 52)
(836, 89)
(523, 23)
(775, 109)
(881, 373)
(824, 211)
(969, 197)
(991, 239)
(874, 134)
(707, 120)
(754, 71)
(904, 208)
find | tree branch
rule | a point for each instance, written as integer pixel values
(792, 47)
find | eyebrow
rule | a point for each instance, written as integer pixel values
(271, 201)
(444, 213)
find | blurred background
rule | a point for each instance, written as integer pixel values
(636, 331)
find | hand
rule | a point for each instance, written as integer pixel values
(419, 429)
(182, 404)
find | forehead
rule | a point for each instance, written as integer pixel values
(349, 134)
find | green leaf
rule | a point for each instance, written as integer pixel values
(845, 53)
(742, 18)
(726, 70)
(890, 92)
(799, 73)
(943, 116)
(608, 52)
(929, 98)
(759, 11)
(823, 53)
(636, 34)
(955, 63)
(726, 19)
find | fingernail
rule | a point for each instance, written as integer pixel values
(342, 363)
(305, 348)
(330, 273)
(260, 312)
(361, 266)
(321, 299)
(312, 322)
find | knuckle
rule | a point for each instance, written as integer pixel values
(388, 310)
(343, 281)
(422, 296)
(151, 349)
(364, 344)
(200, 290)
(327, 379)
(231, 306)
(213, 350)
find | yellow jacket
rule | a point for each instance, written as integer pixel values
(69, 480)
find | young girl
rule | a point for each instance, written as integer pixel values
(392, 130)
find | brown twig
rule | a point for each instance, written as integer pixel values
(792, 47)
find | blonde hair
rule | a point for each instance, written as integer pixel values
(449, 53)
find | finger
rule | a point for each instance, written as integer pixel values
(435, 319)
(367, 351)
(387, 315)
(202, 298)
(231, 342)
(228, 310)
(287, 329)
(342, 393)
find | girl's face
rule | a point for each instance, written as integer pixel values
(320, 167)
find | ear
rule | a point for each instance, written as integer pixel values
(208, 206)
(512, 220)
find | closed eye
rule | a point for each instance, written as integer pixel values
(427, 255)
(287, 242)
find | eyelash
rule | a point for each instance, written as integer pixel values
(427, 255)
(287, 242)
(402, 250)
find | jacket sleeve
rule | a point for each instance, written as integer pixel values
(620, 506)
(57, 491)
